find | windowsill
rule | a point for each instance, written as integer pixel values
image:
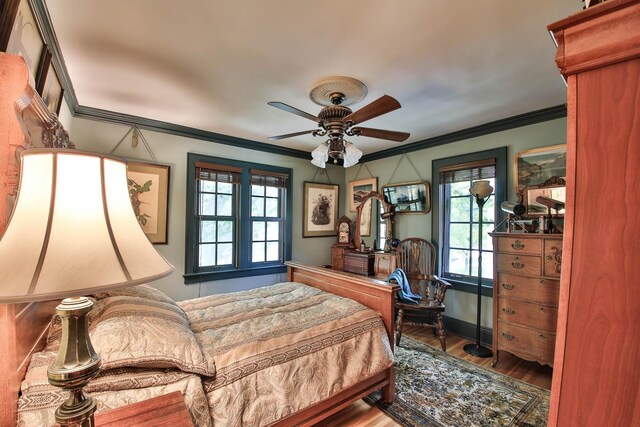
(210, 276)
(471, 288)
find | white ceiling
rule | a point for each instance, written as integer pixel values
(214, 65)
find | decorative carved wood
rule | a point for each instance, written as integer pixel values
(25, 122)
(387, 216)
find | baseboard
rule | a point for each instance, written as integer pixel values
(467, 330)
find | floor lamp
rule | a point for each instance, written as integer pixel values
(481, 190)
(73, 232)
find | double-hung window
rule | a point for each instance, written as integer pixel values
(456, 225)
(236, 219)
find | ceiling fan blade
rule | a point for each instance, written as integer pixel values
(289, 135)
(294, 110)
(380, 106)
(382, 134)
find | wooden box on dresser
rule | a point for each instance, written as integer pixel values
(337, 255)
(525, 294)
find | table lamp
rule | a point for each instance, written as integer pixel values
(73, 232)
(480, 190)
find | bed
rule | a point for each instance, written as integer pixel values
(260, 366)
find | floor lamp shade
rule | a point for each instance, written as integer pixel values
(73, 230)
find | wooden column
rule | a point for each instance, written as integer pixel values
(597, 362)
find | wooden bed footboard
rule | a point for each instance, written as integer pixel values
(375, 294)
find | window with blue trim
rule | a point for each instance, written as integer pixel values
(236, 219)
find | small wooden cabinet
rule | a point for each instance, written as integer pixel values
(525, 294)
(384, 264)
(337, 255)
(359, 262)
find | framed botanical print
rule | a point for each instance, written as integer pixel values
(149, 193)
(320, 210)
(25, 38)
(357, 190)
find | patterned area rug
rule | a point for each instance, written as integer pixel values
(439, 390)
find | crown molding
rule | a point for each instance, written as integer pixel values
(530, 118)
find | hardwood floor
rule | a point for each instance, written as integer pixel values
(361, 414)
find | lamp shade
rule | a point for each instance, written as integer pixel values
(481, 189)
(320, 155)
(73, 230)
(351, 154)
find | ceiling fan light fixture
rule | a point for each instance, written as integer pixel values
(320, 155)
(351, 154)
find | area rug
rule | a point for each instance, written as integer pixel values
(437, 389)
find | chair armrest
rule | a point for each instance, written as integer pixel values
(440, 287)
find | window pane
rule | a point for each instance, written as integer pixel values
(225, 187)
(272, 192)
(208, 186)
(207, 204)
(271, 208)
(225, 204)
(225, 254)
(487, 264)
(487, 211)
(207, 231)
(225, 231)
(258, 231)
(273, 254)
(459, 235)
(257, 190)
(460, 188)
(207, 255)
(257, 206)
(257, 253)
(459, 261)
(273, 230)
(487, 243)
(460, 208)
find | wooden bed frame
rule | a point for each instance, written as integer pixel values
(23, 327)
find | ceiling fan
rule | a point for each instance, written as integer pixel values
(336, 120)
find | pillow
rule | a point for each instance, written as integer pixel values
(129, 331)
(141, 291)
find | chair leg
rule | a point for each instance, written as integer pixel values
(443, 338)
(399, 326)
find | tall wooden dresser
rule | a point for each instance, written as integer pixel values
(525, 294)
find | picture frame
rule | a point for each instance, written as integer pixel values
(357, 190)
(149, 193)
(50, 88)
(409, 197)
(320, 210)
(538, 165)
(24, 37)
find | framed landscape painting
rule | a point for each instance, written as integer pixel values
(535, 166)
(320, 211)
(149, 193)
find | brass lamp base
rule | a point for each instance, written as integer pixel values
(77, 363)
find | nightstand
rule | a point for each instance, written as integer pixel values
(167, 410)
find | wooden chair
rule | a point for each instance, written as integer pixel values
(417, 257)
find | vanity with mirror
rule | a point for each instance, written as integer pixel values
(362, 258)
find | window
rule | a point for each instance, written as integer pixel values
(456, 221)
(236, 219)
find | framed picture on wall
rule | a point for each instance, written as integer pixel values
(409, 197)
(24, 38)
(357, 190)
(320, 211)
(149, 193)
(535, 166)
(50, 88)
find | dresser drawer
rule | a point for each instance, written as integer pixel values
(517, 245)
(520, 264)
(552, 257)
(522, 341)
(534, 289)
(532, 315)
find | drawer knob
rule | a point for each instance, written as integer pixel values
(517, 245)
(517, 263)
(508, 336)
(509, 311)
(507, 286)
